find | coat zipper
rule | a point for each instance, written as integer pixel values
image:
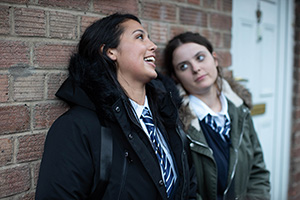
(236, 160)
(183, 155)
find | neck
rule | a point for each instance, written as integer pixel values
(136, 92)
(211, 99)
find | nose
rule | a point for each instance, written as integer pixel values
(152, 46)
(195, 67)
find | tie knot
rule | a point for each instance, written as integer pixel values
(146, 112)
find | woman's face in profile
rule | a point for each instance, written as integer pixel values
(135, 55)
(195, 67)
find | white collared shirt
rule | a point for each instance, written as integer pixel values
(201, 109)
(139, 110)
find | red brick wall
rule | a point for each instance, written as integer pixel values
(36, 39)
(294, 187)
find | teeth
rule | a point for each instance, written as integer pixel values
(150, 59)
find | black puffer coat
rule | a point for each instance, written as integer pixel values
(71, 164)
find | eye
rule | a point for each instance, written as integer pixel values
(183, 67)
(200, 58)
(140, 36)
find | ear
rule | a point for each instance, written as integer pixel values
(111, 52)
(215, 58)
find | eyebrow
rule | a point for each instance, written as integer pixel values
(198, 54)
(138, 30)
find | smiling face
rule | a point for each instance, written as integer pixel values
(134, 56)
(195, 68)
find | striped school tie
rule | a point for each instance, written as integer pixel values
(223, 131)
(161, 155)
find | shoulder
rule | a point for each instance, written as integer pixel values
(241, 109)
(76, 122)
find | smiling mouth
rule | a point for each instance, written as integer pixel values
(150, 59)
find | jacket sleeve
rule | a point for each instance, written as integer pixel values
(66, 170)
(259, 180)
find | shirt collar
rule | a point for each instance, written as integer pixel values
(201, 109)
(139, 108)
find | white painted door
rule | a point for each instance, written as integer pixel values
(256, 52)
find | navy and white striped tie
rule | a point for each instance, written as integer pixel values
(223, 131)
(161, 155)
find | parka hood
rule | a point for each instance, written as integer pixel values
(74, 95)
(104, 94)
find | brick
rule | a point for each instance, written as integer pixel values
(16, 1)
(297, 99)
(227, 5)
(175, 30)
(53, 55)
(112, 6)
(30, 147)
(227, 41)
(297, 61)
(46, 113)
(86, 22)
(212, 36)
(296, 114)
(30, 22)
(159, 11)
(194, 29)
(159, 58)
(190, 16)
(295, 153)
(209, 4)
(69, 4)
(28, 196)
(63, 25)
(53, 84)
(293, 192)
(14, 180)
(36, 170)
(159, 33)
(294, 165)
(29, 87)
(297, 35)
(6, 151)
(297, 48)
(12, 53)
(4, 20)
(14, 119)
(146, 25)
(196, 2)
(297, 17)
(224, 58)
(4, 88)
(221, 22)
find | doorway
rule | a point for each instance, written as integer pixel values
(262, 61)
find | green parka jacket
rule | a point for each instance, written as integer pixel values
(248, 177)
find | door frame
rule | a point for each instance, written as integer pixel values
(284, 98)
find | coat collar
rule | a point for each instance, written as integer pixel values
(104, 95)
